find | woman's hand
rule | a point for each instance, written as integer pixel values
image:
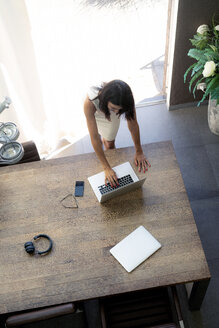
(111, 177)
(141, 162)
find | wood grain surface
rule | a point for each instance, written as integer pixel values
(80, 265)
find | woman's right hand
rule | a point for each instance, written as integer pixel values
(111, 177)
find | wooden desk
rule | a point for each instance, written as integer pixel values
(80, 265)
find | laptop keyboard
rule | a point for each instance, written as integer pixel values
(122, 182)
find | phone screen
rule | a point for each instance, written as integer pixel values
(79, 188)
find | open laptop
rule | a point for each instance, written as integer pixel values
(127, 179)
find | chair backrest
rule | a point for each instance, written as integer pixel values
(30, 153)
(150, 308)
(168, 325)
(39, 315)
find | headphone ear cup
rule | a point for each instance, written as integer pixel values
(29, 247)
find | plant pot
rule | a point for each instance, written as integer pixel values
(213, 116)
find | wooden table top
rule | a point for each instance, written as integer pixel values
(80, 265)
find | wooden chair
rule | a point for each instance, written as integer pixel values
(54, 316)
(150, 308)
(30, 153)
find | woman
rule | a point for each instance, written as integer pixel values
(103, 107)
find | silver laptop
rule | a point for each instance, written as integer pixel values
(127, 179)
(135, 248)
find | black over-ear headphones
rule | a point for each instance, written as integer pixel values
(29, 246)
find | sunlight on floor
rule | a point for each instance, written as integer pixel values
(77, 46)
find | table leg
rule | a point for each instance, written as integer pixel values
(197, 294)
(92, 313)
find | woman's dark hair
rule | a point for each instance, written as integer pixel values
(118, 93)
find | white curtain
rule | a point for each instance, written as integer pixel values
(18, 73)
(52, 50)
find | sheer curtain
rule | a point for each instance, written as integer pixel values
(40, 80)
(18, 74)
(51, 51)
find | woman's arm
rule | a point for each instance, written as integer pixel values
(89, 111)
(140, 159)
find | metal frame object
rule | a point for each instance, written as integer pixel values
(11, 151)
(12, 129)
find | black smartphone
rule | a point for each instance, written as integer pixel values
(79, 188)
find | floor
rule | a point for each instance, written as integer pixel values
(197, 152)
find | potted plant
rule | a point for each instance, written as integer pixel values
(204, 73)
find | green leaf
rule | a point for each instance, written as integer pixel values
(208, 80)
(199, 43)
(195, 87)
(215, 93)
(213, 47)
(197, 67)
(193, 79)
(210, 88)
(197, 54)
(212, 55)
(187, 71)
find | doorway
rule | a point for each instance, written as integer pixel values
(84, 42)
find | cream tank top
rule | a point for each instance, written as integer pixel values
(107, 129)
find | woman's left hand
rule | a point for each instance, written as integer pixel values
(141, 162)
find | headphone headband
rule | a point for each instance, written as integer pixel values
(29, 247)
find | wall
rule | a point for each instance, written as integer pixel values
(190, 15)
